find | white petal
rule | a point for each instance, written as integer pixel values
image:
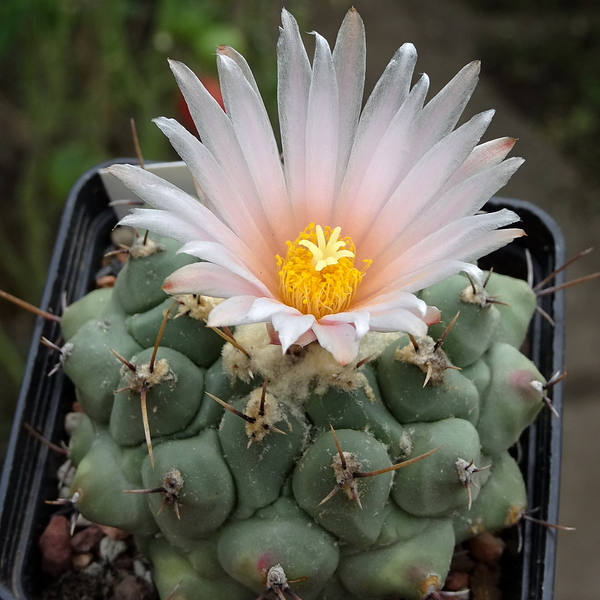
(399, 320)
(409, 139)
(217, 189)
(210, 280)
(340, 339)
(388, 96)
(294, 75)
(462, 200)
(366, 192)
(441, 114)
(265, 308)
(162, 195)
(291, 328)
(445, 252)
(232, 311)
(241, 62)
(483, 157)
(349, 61)
(419, 188)
(452, 240)
(358, 318)
(219, 255)
(218, 135)
(257, 142)
(322, 125)
(396, 300)
(165, 223)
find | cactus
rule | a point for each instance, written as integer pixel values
(342, 450)
(293, 473)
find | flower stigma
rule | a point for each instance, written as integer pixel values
(317, 275)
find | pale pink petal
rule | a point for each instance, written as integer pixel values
(449, 258)
(210, 280)
(464, 199)
(322, 142)
(340, 339)
(387, 97)
(453, 240)
(306, 338)
(291, 328)
(349, 61)
(241, 62)
(165, 223)
(408, 140)
(264, 308)
(230, 312)
(376, 178)
(399, 311)
(218, 135)
(419, 188)
(400, 319)
(219, 255)
(433, 315)
(483, 157)
(162, 195)
(397, 179)
(358, 318)
(257, 142)
(441, 114)
(294, 74)
(221, 196)
(393, 301)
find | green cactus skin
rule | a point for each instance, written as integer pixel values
(400, 525)
(334, 590)
(138, 287)
(240, 496)
(208, 493)
(402, 384)
(82, 439)
(410, 569)
(283, 535)
(93, 368)
(479, 373)
(91, 306)
(197, 575)
(461, 345)
(172, 403)
(500, 504)
(314, 479)
(183, 333)
(260, 469)
(361, 409)
(219, 383)
(101, 481)
(517, 308)
(432, 487)
(511, 402)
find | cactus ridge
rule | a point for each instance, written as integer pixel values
(278, 475)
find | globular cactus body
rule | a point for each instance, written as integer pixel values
(294, 479)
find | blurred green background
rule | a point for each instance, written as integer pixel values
(73, 72)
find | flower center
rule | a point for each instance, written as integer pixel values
(317, 275)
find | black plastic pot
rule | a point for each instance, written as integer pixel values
(29, 476)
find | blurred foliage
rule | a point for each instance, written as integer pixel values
(544, 56)
(72, 74)
(509, 6)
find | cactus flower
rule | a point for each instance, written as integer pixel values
(366, 208)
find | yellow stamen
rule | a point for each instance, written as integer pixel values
(317, 275)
